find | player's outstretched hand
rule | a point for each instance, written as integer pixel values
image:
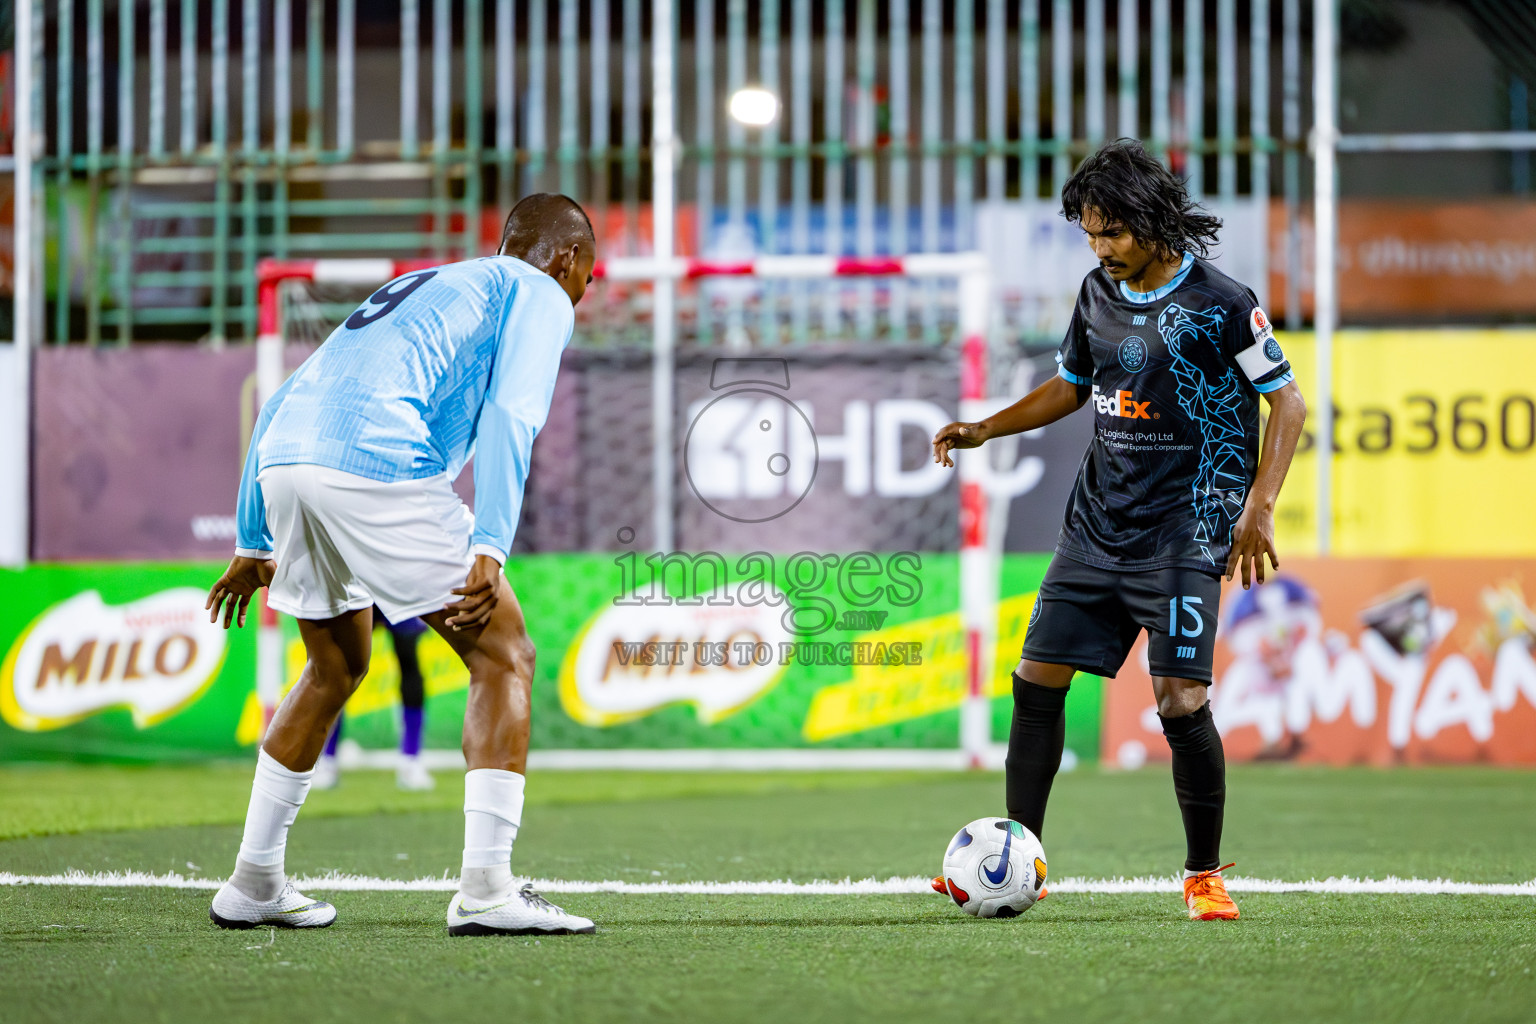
(956, 435)
(477, 597)
(1252, 538)
(232, 594)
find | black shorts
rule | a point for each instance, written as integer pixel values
(1089, 618)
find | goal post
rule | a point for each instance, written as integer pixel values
(979, 544)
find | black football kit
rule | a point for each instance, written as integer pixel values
(1174, 376)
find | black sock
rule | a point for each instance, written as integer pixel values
(1034, 750)
(413, 693)
(1200, 782)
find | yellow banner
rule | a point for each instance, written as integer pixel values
(442, 671)
(1434, 445)
(885, 694)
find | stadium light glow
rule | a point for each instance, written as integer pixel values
(754, 106)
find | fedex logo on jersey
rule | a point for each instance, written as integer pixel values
(1121, 403)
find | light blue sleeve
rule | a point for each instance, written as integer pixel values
(252, 537)
(537, 329)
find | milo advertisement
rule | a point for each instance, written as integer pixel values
(637, 650)
(665, 651)
(118, 662)
(815, 649)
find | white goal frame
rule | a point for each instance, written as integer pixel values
(980, 543)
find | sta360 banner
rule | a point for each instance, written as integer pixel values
(1434, 445)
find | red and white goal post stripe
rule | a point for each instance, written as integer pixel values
(978, 551)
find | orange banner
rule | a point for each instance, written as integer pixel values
(1403, 259)
(1360, 661)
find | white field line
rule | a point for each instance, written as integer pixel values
(912, 884)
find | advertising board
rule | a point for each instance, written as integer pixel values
(118, 662)
(1361, 661)
(639, 651)
(1421, 260)
(708, 651)
(137, 454)
(1434, 445)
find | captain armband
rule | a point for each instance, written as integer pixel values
(1263, 361)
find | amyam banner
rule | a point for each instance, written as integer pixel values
(1361, 661)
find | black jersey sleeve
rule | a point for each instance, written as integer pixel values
(1250, 343)
(1074, 360)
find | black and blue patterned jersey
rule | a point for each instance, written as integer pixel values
(1176, 375)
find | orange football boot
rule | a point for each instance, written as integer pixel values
(1206, 895)
(942, 888)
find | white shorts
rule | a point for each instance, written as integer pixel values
(343, 542)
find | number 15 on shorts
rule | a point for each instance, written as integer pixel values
(1195, 624)
(1192, 625)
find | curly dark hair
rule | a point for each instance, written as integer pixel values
(1125, 183)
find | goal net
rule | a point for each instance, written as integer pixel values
(797, 401)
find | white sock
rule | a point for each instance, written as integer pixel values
(276, 796)
(493, 811)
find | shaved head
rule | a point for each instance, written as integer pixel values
(552, 232)
(544, 224)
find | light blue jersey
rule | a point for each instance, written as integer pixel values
(436, 366)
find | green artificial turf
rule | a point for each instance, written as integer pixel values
(151, 954)
(48, 799)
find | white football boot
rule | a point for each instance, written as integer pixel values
(291, 909)
(525, 912)
(412, 776)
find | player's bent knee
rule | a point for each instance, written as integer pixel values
(524, 654)
(1043, 673)
(336, 676)
(1179, 697)
(514, 656)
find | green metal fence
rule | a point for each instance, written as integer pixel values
(186, 139)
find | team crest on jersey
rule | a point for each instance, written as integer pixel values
(1133, 354)
(1272, 350)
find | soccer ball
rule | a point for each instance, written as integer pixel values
(994, 867)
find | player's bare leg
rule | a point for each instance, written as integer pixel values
(500, 659)
(257, 893)
(336, 660)
(1200, 782)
